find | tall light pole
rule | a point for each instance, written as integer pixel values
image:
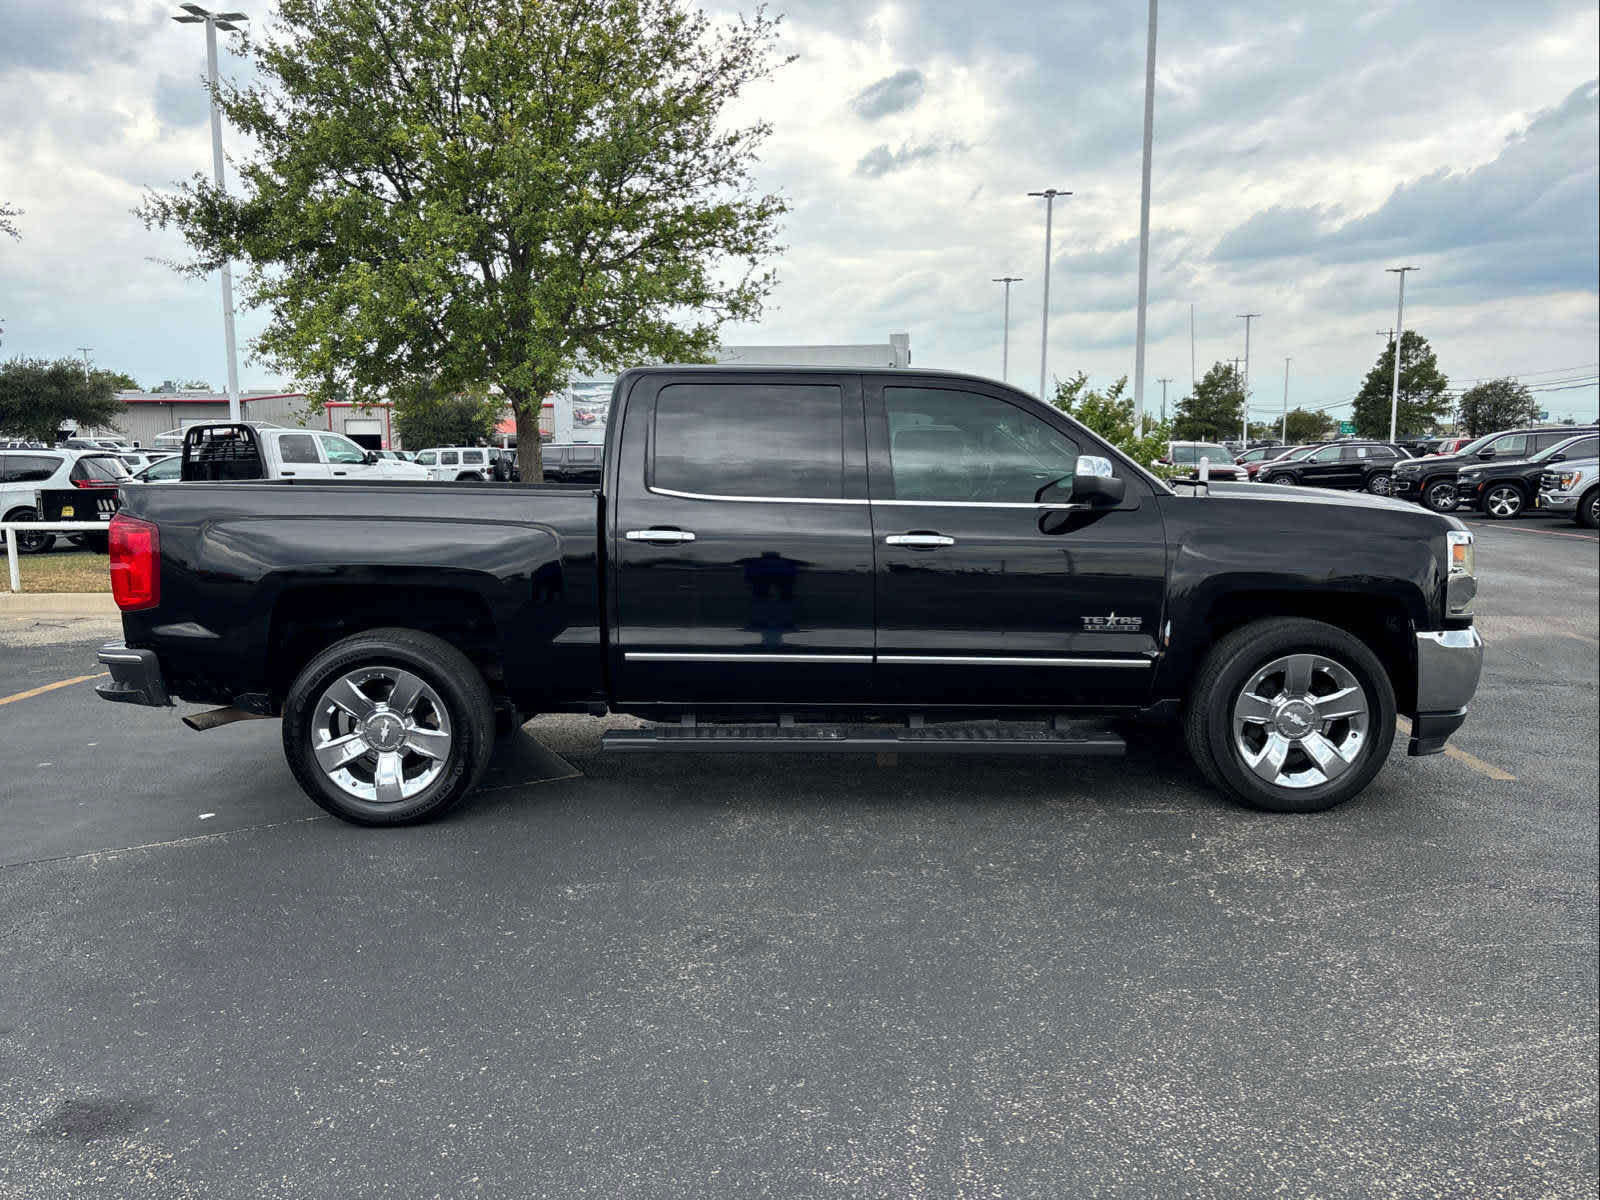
(1005, 326)
(1144, 221)
(85, 350)
(1246, 318)
(1049, 195)
(213, 22)
(1163, 382)
(1284, 432)
(1399, 340)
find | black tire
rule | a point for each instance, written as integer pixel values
(1439, 495)
(29, 543)
(1286, 480)
(469, 477)
(1380, 484)
(1229, 667)
(1588, 512)
(1502, 501)
(456, 683)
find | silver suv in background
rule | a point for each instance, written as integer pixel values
(1572, 487)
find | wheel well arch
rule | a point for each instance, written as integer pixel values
(307, 619)
(1383, 623)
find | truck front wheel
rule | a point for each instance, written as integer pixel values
(389, 727)
(1290, 715)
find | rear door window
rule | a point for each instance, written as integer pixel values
(297, 448)
(28, 468)
(764, 439)
(449, 458)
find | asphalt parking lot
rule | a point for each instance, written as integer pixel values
(725, 976)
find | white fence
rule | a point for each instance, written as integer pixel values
(7, 527)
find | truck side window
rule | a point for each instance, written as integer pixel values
(297, 448)
(341, 450)
(966, 447)
(750, 440)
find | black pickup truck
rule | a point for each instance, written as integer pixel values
(803, 560)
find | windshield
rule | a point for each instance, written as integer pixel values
(1474, 447)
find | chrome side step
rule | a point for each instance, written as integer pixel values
(1083, 739)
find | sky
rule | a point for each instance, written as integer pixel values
(1299, 151)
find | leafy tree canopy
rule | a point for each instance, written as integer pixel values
(1214, 410)
(1305, 426)
(1495, 404)
(1110, 414)
(501, 191)
(38, 396)
(429, 415)
(1423, 402)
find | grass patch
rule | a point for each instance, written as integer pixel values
(62, 571)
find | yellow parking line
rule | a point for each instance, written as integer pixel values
(1465, 759)
(50, 687)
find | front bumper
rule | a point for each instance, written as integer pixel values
(135, 676)
(1449, 663)
(1557, 502)
(1405, 487)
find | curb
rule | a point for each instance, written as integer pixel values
(66, 603)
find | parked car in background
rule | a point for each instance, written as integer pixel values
(1354, 466)
(1286, 454)
(1260, 454)
(445, 464)
(1449, 445)
(393, 455)
(225, 452)
(138, 460)
(1192, 454)
(1573, 487)
(1432, 480)
(1503, 489)
(25, 474)
(165, 468)
(573, 464)
(115, 445)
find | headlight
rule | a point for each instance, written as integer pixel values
(1570, 480)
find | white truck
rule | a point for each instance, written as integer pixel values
(251, 451)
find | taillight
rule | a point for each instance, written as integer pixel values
(135, 549)
(93, 483)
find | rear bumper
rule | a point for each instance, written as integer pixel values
(1449, 664)
(135, 676)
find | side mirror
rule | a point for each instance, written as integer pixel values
(1486, 454)
(371, 458)
(1557, 458)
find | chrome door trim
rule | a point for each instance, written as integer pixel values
(660, 536)
(672, 656)
(919, 539)
(751, 499)
(659, 491)
(1034, 504)
(979, 660)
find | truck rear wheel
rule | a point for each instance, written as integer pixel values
(1290, 715)
(389, 727)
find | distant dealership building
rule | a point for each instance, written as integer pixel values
(151, 414)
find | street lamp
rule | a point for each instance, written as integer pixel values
(213, 22)
(1005, 327)
(1246, 318)
(1399, 340)
(1144, 220)
(1049, 195)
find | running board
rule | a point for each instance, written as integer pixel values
(1084, 739)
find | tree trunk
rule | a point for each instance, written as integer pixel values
(530, 448)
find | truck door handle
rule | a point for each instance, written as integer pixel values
(920, 541)
(341, 472)
(659, 537)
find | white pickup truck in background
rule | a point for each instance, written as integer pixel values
(276, 453)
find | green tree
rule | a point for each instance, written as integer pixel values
(492, 191)
(427, 414)
(1110, 414)
(1423, 402)
(1495, 404)
(38, 396)
(1214, 410)
(1306, 426)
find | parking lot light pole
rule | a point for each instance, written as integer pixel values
(1005, 326)
(1144, 220)
(1049, 195)
(1399, 340)
(1245, 380)
(195, 15)
(1284, 432)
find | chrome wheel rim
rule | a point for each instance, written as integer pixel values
(1283, 481)
(1380, 485)
(1442, 496)
(1300, 721)
(381, 734)
(1504, 501)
